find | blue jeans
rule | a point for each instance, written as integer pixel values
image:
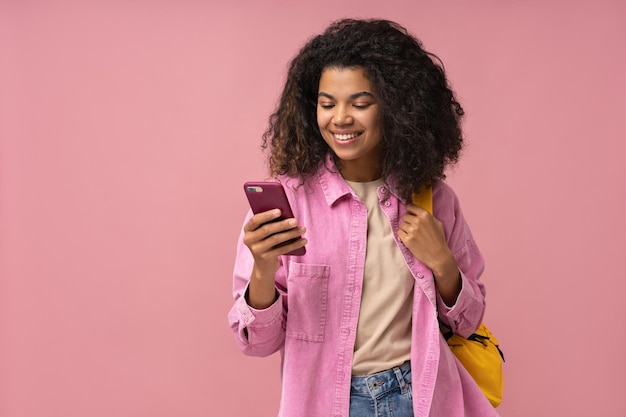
(383, 394)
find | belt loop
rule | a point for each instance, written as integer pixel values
(400, 378)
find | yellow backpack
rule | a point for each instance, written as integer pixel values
(480, 353)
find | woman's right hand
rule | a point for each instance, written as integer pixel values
(262, 236)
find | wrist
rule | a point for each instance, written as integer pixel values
(261, 298)
(447, 269)
(448, 280)
(262, 291)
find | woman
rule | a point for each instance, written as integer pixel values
(365, 120)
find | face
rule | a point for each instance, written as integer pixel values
(348, 117)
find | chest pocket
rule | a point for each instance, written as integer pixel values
(307, 291)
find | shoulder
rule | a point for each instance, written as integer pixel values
(446, 206)
(447, 209)
(444, 195)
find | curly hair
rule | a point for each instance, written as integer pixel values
(421, 118)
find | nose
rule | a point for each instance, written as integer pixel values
(342, 116)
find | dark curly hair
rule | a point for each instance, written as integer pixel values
(421, 132)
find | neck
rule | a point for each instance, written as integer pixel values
(360, 171)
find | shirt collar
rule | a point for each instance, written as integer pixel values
(335, 187)
(332, 183)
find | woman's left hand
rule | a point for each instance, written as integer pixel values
(424, 236)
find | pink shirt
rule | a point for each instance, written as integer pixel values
(313, 323)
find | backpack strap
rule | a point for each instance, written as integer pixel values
(424, 199)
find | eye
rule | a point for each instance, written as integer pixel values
(326, 105)
(361, 106)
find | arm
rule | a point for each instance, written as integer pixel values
(258, 316)
(445, 244)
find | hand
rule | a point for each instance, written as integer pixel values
(424, 236)
(262, 236)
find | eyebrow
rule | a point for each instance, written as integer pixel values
(352, 96)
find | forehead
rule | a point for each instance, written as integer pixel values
(336, 80)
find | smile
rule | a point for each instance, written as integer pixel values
(345, 136)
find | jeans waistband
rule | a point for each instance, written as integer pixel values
(379, 383)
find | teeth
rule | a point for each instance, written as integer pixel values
(347, 136)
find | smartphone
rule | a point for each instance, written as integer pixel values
(264, 196)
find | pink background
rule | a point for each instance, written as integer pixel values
(127, 129)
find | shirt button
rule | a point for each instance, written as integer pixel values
(420, 275)
(345, 331)
(387, 203)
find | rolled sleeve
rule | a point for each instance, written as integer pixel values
(466, 315)
(257, 332)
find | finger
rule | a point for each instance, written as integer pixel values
(262, 240)
(274, 245)
(404, 237)
(261, 218)
(283, 236)
(406, 227)
(276, 228)
(415, 217)
(411, 222)
(417, 211)
(409, 219)
(285, 249)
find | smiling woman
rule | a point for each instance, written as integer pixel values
(366, 119)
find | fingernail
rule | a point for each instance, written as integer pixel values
(292, 222)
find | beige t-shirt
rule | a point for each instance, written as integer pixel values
(383, 338)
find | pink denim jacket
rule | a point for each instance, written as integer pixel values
(314, 321)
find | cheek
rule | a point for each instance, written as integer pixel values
(322, 120)
(373, 121)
